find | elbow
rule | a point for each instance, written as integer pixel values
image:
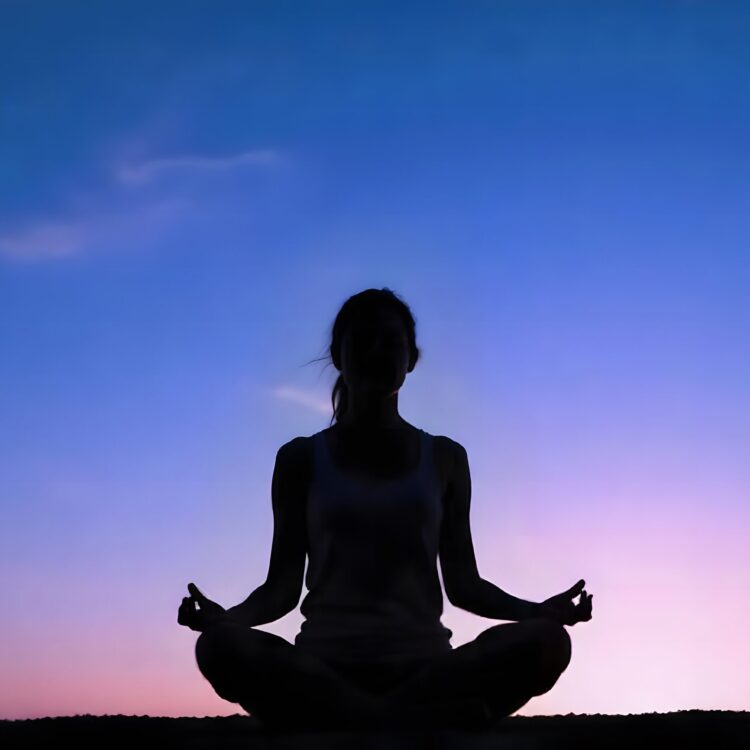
(285, 602)
(281, 594)
(463, 602)
(457, 598)
(288, 607)
(463, 596)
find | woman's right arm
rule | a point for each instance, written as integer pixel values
(280, 592)
(260, 607)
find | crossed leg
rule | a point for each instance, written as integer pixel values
(278, 682)
(483, 680)
(478, 683)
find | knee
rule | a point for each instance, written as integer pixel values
(561, 646)
(556, 642)
(213, 643)
(555, 653)
(204, 650)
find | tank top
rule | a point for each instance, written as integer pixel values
(373, 588)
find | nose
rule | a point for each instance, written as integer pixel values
(376, 353)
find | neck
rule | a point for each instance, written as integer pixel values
(371, 414)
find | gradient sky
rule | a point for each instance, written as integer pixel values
(189, 192)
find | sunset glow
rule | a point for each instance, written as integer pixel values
(560, 196)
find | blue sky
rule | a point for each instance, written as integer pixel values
(190, 191)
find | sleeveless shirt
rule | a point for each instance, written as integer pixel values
(373, 588)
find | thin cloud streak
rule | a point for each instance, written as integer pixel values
(116, 211)
(96, 229)
(43, 242)
(298, 396)
(139, 173)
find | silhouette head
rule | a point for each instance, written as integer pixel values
(373, 346)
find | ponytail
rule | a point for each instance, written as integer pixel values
(341, 404)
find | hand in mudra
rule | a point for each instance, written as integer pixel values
(199, 619)
(562, 609)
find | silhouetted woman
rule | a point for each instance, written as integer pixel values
(373, 502)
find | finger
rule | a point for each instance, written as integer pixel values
(577, 588)
(193, 589)
(182, 612)
(586, 609)
(192, 614)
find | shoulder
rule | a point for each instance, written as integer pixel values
(449, 447)
(294, 457)
(450, 455)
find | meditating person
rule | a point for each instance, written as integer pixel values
(372, 502)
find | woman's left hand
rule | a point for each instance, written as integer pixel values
(562, 609)
(199, 619)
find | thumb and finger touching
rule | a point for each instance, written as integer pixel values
(195, 592)
(571, 610)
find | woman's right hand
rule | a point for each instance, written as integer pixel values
(199, 619)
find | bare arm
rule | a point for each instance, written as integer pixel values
(280, 592)
(490, 601)
(259, 608)
(464, 587)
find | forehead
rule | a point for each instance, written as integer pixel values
(385, 319)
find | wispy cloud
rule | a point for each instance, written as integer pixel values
(298, 396)
(44, 241)
(108, 216)
(139, 172)
(99, 228)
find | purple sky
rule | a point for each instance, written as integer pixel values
(189, 193)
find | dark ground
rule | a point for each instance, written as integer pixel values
(707, 730)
